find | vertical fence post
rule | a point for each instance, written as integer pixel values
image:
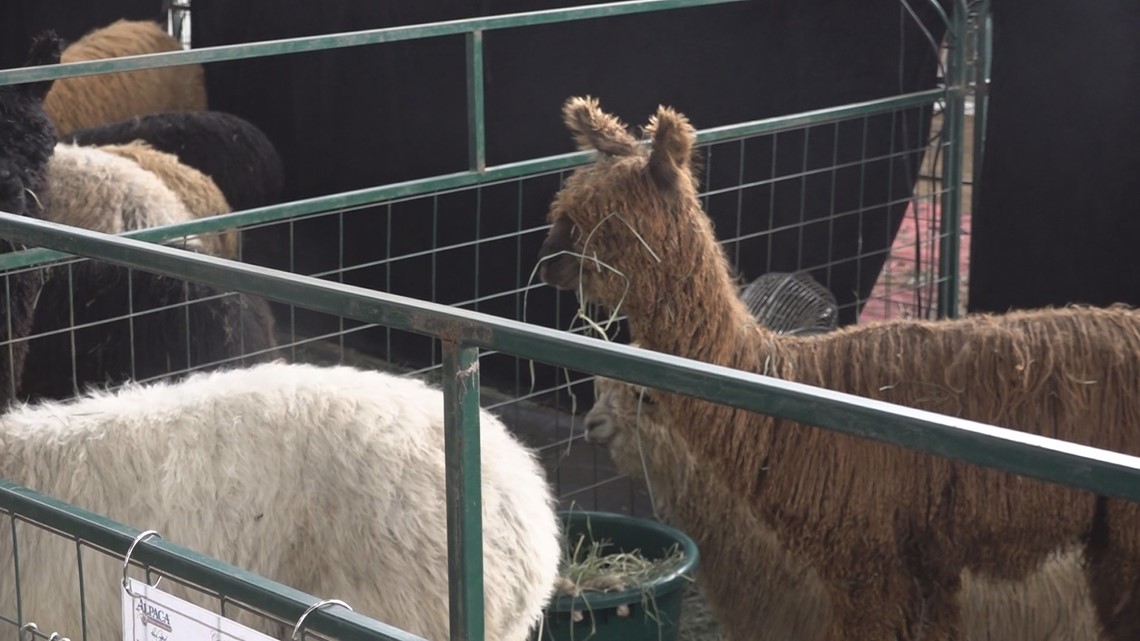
(464, 499)
(953, 121)
(477, 144)
(983, 38)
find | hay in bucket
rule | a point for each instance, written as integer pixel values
(588, 566)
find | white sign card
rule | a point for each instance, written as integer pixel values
(155, 615)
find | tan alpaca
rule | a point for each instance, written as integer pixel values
(196, 190)
(888, 530)
(88, 101)
(785, 599)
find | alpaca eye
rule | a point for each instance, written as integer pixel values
(647, 399)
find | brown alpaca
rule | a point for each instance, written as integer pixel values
(761, 593)
(889, 530)
(88, 101)
(196, 190)
(756, 592)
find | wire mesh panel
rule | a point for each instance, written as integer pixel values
(100, 325)
(910, 282)
(63, 584)
(799, 200)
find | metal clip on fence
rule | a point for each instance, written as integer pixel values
(317, 605)
(127, 561)
(29, 629)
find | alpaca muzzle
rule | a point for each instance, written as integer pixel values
(558, 265)
(599, 430)
(559, 271)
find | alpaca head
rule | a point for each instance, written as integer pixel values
(616, 217)
(26, 134)
(626, 420)
(619, 408)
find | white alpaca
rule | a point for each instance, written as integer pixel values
(103, 191)
(327, 479)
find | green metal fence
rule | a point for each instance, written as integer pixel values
(230, 591)
(544, 413)
(467, 336)
(1107, 473)
(581, 475)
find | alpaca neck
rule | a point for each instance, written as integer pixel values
(726, 337)
(689, 306)
(732, 540)
(681, 492)
(693, 310)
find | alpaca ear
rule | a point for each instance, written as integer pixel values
(595, 129)
(45, 50)
(672, 153)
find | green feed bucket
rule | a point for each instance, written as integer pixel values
(650, 611)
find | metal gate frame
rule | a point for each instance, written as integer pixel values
(464, 332)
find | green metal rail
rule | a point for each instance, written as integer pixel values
(494, 174)
(471, 28)
(1101, 471)
(344, 40)
(464, 504)
(278, 600)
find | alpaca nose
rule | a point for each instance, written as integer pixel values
(599, 431)
(557, 266)
(551, 245)
(544, 253)
(560, 271)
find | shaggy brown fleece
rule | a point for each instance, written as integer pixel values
(757, 590)
(88, 101)
(888, 529)
(196, 190)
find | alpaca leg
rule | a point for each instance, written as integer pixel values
(1113, 571)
